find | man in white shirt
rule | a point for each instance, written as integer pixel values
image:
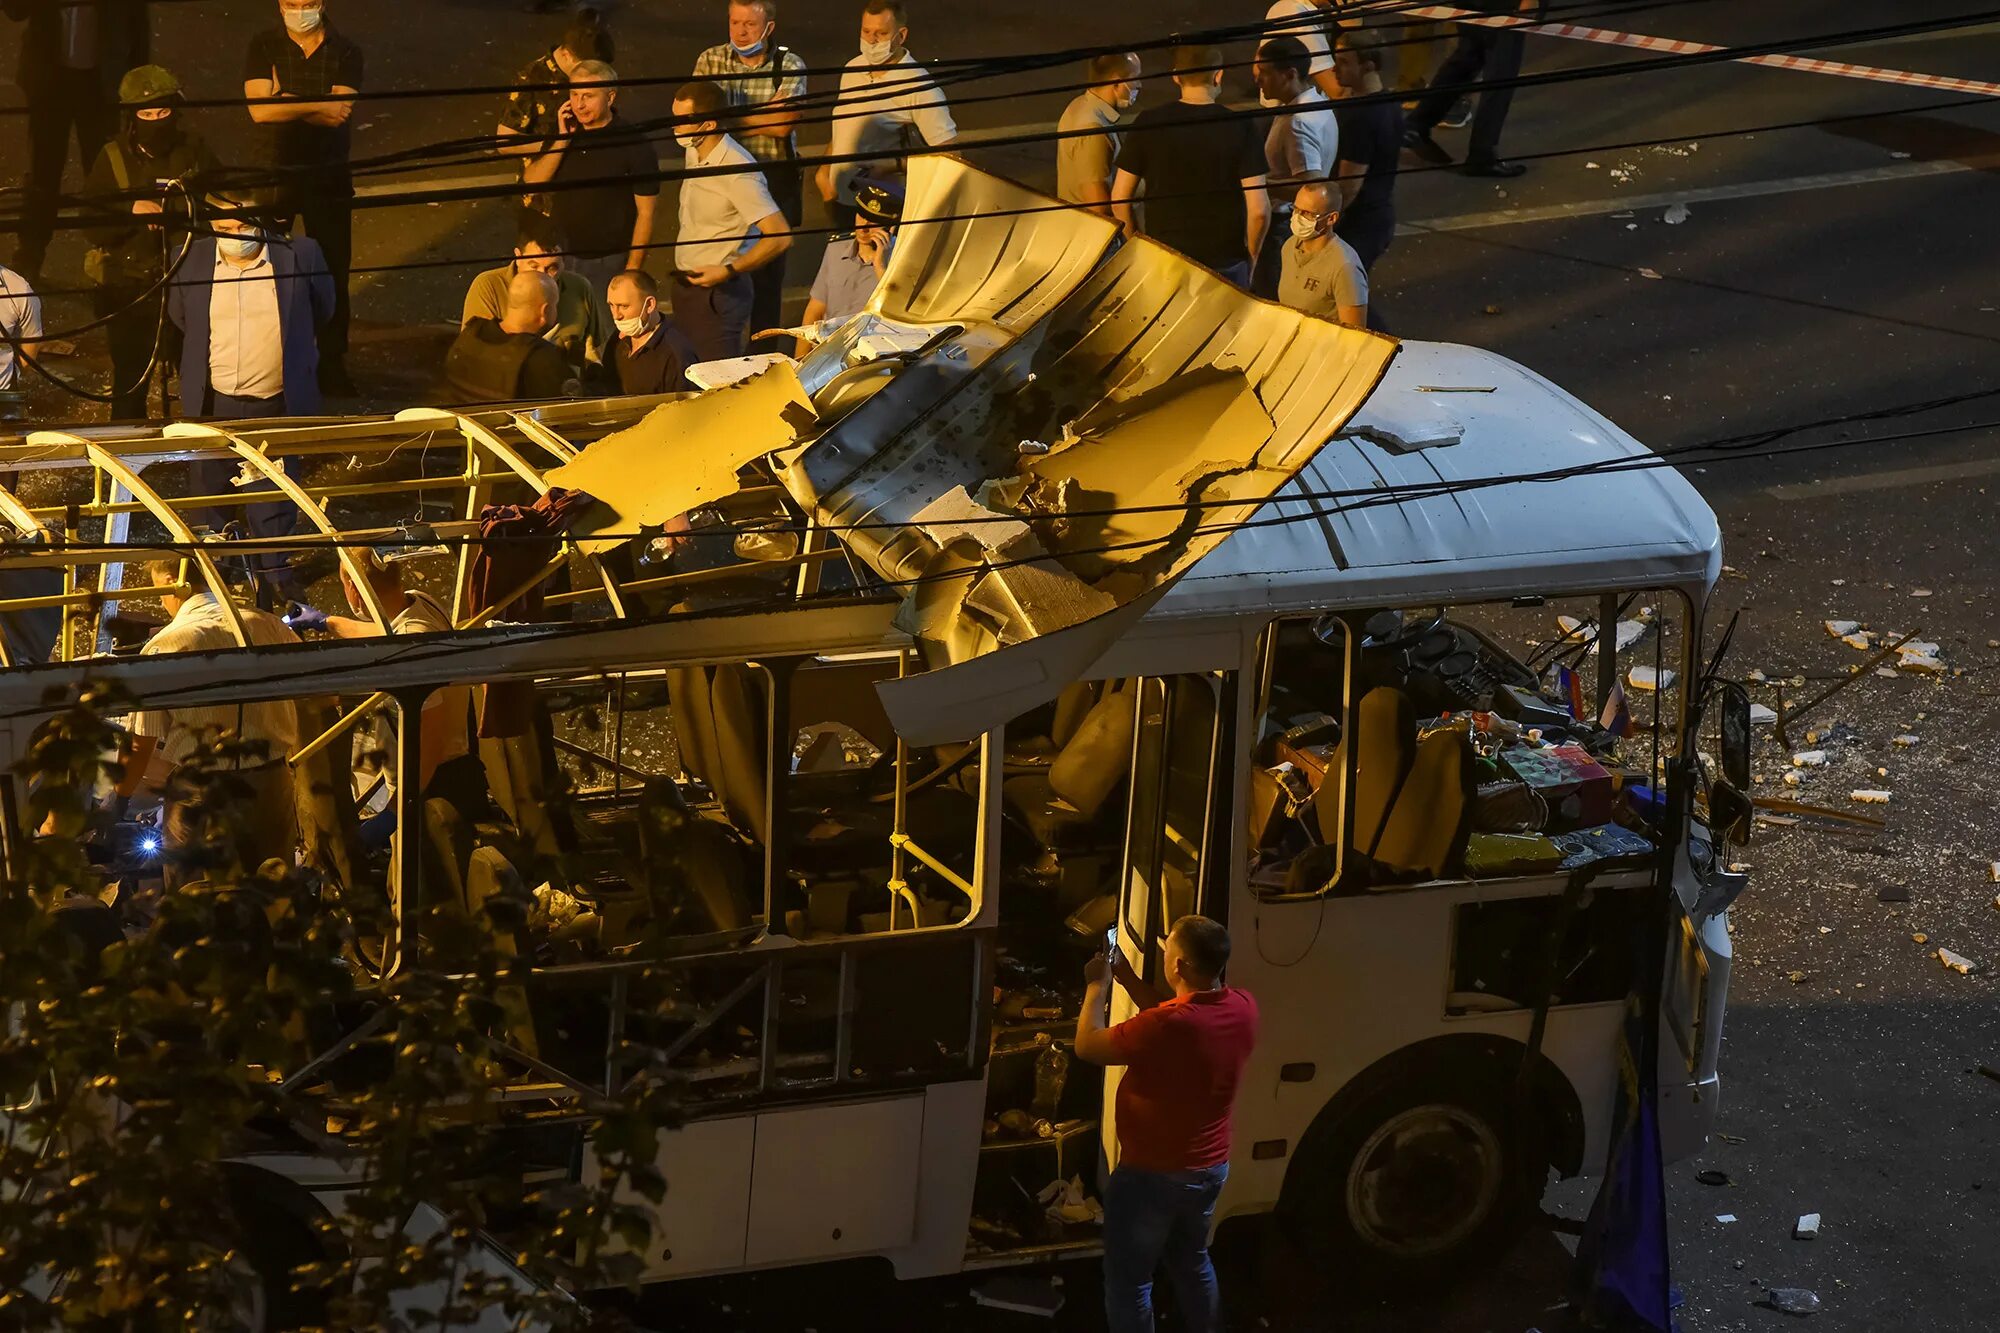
(885, 98)
(1087, 161)
(1303, 144)
(201, 835)
(1312, 22)
(20, 324)
(729, 227)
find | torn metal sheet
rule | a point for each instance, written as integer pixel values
(684, 454)
(1114, 413)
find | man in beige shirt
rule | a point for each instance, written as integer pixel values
(205, 833)
(1088, 159)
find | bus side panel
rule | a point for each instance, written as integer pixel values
(947, 1166)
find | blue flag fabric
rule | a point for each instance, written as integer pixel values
(1623, 1277)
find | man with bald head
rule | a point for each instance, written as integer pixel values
(1321, 274)
(507, 359)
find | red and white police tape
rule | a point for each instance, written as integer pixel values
(1674, 46)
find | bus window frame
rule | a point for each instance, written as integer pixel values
(1689, 628)
(1149, 934)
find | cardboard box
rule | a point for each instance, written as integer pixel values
(1578, 789)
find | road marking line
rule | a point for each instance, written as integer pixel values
(1703, 194)
(1886, 481)
(1640, 41)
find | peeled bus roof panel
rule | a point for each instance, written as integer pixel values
(1128, 407)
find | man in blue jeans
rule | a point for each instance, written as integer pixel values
(1183, 1055)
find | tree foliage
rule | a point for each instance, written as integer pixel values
(156, 1044)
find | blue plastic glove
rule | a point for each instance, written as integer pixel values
(303, 617)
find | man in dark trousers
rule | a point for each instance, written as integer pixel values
(1484, 53)
(143, 185)
(249, 307)
(71, 59)
(503, 360)
(1183, 1053)
(1201, 167)
(314, 71)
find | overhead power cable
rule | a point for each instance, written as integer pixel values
(1749, 444)
(1620, 68)
(1767, 127)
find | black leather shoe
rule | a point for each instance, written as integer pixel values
(1498, 166)
(1427, 148)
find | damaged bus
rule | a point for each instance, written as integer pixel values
(1067, 588)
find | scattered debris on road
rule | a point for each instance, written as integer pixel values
(1807, 1227)
(1957, 962)
(1791, 1300)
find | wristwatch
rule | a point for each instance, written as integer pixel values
(729, 267)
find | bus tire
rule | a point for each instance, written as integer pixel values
(1418, 1177)
(271, 1241)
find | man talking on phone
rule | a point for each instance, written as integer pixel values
(1183, 1053)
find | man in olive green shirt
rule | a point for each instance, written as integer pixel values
(579, 331)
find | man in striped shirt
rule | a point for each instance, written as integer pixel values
(763, 82)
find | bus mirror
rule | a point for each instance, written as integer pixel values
(1736, 736)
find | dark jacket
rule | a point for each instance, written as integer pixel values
(134, 252)
(305, 302)
(661, 365)
(124, 39)
(487, 364)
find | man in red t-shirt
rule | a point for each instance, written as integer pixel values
(1183, 1055)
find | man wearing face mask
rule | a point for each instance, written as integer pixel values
(888, 104)
(141, 183)
(1322, 275)
(1302, 145)
(729, 227)
(250, 308)
(313, 72)
(508, 360)
(650, 355)
(762, 82)
(1086, 162)
(249, 311)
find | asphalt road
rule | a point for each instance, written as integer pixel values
(1821, 272)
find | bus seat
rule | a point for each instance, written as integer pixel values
(688, 855)
(1097, 757)
(1385, 736)
(719, 723)
(1427, 826)
(1072, 706)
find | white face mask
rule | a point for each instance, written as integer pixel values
(1305, 225)
(631, 328)
(687, 141)
(303, 20)
(746, 52)
(877, 53)
(239, 247)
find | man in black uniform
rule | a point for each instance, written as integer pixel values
(315, 71)
(508, 359)
(144, 183)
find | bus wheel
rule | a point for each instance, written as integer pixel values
(1416, 1180)
(270, 1243)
